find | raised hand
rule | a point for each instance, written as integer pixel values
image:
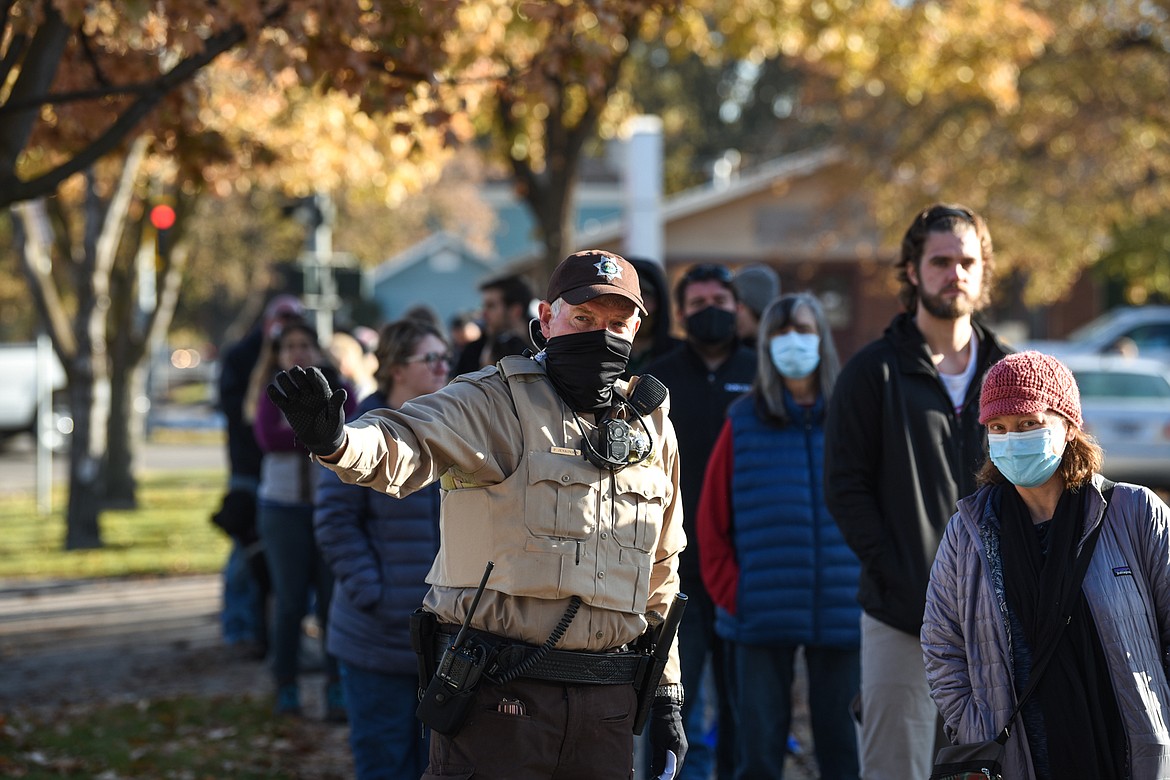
(314, 410)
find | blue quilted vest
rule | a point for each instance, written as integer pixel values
(797, 577)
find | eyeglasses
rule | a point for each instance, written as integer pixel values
(705, 272)
(431, 358)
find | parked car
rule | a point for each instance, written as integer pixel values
(1126, 406)
(1142, 331)
(19, 394)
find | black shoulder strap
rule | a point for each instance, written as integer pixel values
(1074, 585)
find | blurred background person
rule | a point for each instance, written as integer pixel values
(775, 564)
(285, 519)
(355, 363)
(380, 549)
(505, 324)
(424, 313)
(245, 576)
(463, 329)
(653, 339)
(756, 286)
(1001, 594)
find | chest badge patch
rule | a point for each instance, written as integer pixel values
(1122, 571)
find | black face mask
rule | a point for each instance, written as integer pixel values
(711, 326)
(583, 367)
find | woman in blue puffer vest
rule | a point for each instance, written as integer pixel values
(772, 558)
(380, 549)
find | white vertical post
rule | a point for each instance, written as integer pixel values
(44, 428)
(643, 188)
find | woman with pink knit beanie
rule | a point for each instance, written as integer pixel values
(1047, 623)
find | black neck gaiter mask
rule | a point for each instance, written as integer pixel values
(583, 367)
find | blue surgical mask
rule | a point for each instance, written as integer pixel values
(795, 355)
(1025, 459)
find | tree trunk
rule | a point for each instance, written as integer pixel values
(79, 337)
(136, 334)
(89, 399)
(125, 431)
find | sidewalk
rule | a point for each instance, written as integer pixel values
(68, 642)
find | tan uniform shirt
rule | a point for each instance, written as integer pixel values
(470, 436)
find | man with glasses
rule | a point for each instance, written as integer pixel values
(505, 324)
(902, 445)
(704, 374)
(566, 478)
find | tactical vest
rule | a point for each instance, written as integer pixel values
(558, 526)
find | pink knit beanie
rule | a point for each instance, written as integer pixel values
(1030, 382)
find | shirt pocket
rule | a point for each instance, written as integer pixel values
(637, 518)
(561, 497)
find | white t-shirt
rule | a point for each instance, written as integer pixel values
(957, 384)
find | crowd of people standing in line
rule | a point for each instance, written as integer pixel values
(814, 497)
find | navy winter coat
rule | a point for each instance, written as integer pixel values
(380, 550)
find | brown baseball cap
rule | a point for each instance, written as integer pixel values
(583, 276)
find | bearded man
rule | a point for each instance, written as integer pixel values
(902, 444)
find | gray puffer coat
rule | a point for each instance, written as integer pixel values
(965, 642)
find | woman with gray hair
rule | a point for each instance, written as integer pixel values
(772, 558)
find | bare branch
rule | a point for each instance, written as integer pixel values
(37, 71)
(13, 190)
(36, 262)
(17, 47)
(91, 57)
(115, 219)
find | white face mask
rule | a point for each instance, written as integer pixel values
(795, 355)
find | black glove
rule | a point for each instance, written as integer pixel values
(666, 733)
(315, 412)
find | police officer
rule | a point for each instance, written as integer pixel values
(583, 546)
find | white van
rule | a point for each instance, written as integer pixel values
(18, 388)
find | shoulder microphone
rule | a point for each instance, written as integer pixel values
(648, 395)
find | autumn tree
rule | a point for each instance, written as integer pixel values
(1047, 116)
(92, 90)
(1075, 164)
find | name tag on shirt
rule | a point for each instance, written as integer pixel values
(736, 387)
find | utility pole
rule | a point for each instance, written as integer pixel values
(317, 261)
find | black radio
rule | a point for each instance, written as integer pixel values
(443, 705)
(620, 444)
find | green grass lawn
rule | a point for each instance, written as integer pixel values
(169, 533)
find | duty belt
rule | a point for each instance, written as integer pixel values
(569, 666)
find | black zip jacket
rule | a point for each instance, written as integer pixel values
(699, 398)
(897, 459)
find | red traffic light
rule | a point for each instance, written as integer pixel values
(162, 216)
